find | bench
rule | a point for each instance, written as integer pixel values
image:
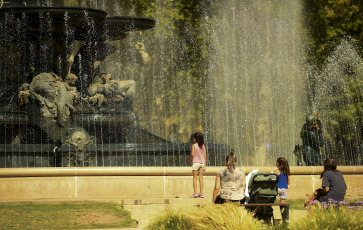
(266, 204)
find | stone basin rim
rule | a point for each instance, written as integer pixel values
(34, 9)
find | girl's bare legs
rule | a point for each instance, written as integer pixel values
(195, 175)
(284, 211)
(201, 171)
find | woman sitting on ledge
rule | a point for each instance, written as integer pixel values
(334, 186)
(230, 183)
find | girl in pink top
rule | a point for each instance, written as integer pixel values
(199, 159)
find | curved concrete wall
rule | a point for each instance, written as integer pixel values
(119, 183)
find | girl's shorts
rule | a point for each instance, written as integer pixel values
(282, 193)
(197, 166)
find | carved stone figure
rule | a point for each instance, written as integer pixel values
(54, 97)
(107, 91)
(312, 137)
(140, 47)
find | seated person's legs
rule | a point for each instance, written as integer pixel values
(220, 200)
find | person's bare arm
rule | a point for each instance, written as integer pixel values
(288, 179)
(326, 189)
(191, 156)
(277, 172)
(205, 157)
(217, 188)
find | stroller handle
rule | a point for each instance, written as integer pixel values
(265, 174)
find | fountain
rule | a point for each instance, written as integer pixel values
(83, 87)
(57, 106)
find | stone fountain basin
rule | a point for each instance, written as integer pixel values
(61, 18)
(114, 28)
(81, 22)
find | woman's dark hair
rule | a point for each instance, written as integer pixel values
(283, 165)
(199, 138)
(329, 164)
(231, 161)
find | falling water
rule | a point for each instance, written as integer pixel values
(337, 98)
(257, 78)
(252, 93)
(164, 101)
(256, 94)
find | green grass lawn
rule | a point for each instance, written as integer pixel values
(298, 204)
(88, 215)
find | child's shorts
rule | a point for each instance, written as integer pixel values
(282, 193)
(197, 166)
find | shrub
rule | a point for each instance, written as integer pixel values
(331, 215)
(223, 217)
(211, 216)
(171, 219)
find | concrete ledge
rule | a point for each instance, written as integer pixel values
(154, 171)
(142, 183)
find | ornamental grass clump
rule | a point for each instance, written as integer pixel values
(211, 216)
(331, 215)
(173, 218)
(222, 217)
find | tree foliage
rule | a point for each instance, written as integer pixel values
(329, 20)
(335, 36)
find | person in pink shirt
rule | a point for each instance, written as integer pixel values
(198, 158)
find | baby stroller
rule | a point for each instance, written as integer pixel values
(262, 188)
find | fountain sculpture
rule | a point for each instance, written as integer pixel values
(57, 107)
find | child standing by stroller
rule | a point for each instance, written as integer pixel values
(283, 174)
(198, 158)
(283, 177)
